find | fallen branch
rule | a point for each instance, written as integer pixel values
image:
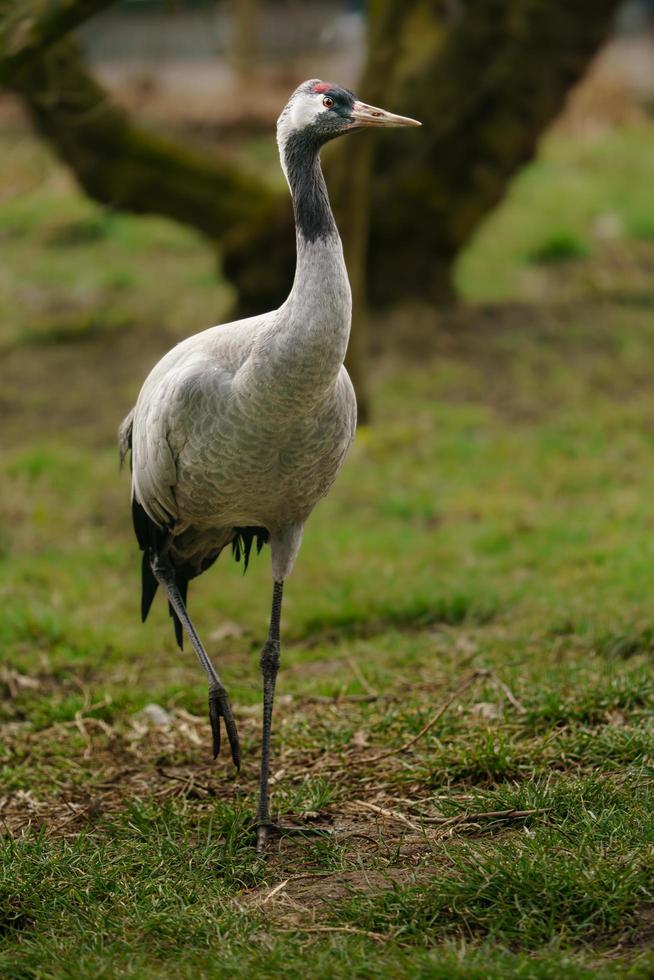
(282, 884)
(486, 815)
(389, 814)
(510, 696)
(433, 720)
(358, 673)
(460, 818)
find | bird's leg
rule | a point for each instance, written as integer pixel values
(269, 666)
(219, 705)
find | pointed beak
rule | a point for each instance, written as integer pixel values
(370, 115)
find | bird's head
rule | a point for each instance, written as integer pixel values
(319, 111)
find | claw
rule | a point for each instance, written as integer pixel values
(232, 734)
(219, 706)
(214, 717)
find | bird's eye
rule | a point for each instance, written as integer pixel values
(327, 102)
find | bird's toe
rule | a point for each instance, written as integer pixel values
(219, 706)
(214, 717)
(232, 735)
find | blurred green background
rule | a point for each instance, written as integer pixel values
(495, 513)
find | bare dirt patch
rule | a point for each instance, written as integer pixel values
(641, 936)
(314, 892)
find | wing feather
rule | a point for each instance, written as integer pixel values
(154, 463)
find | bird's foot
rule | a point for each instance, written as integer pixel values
(219, 707)
(267, 830)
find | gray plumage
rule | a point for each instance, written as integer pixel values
(247, 424)
(240, 430)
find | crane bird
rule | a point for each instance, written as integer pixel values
(240, 430)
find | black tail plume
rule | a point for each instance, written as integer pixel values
(149, 584)
(244, 538)
(151, 539)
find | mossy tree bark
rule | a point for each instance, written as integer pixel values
(28, 27)
(125, 166)
(116, 162)
(247, 18)
(350, 179)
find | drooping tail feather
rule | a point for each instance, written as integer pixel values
(244, 538)
(149, 585)
(151, 539)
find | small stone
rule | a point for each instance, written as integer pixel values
(154, 714)
(486, 709)
(608, 226)
(226, 631)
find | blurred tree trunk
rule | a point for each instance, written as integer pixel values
(350, 177)
(122, 165)
(486, 93)
(28, 27)
(485, 77)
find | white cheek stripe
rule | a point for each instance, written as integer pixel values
(303, 111)
(306, 110)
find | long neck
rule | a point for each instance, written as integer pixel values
(317, 314)
(298, 357)
(313, 215)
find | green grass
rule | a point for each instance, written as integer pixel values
(78, 271)
(496, 518)
(560, 247)
(573, 879)
(554, 211)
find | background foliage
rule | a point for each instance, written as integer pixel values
(481, 568)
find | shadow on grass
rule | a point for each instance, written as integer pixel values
(419, 612)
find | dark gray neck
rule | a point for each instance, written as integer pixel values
(313, 215)
(299, 356)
